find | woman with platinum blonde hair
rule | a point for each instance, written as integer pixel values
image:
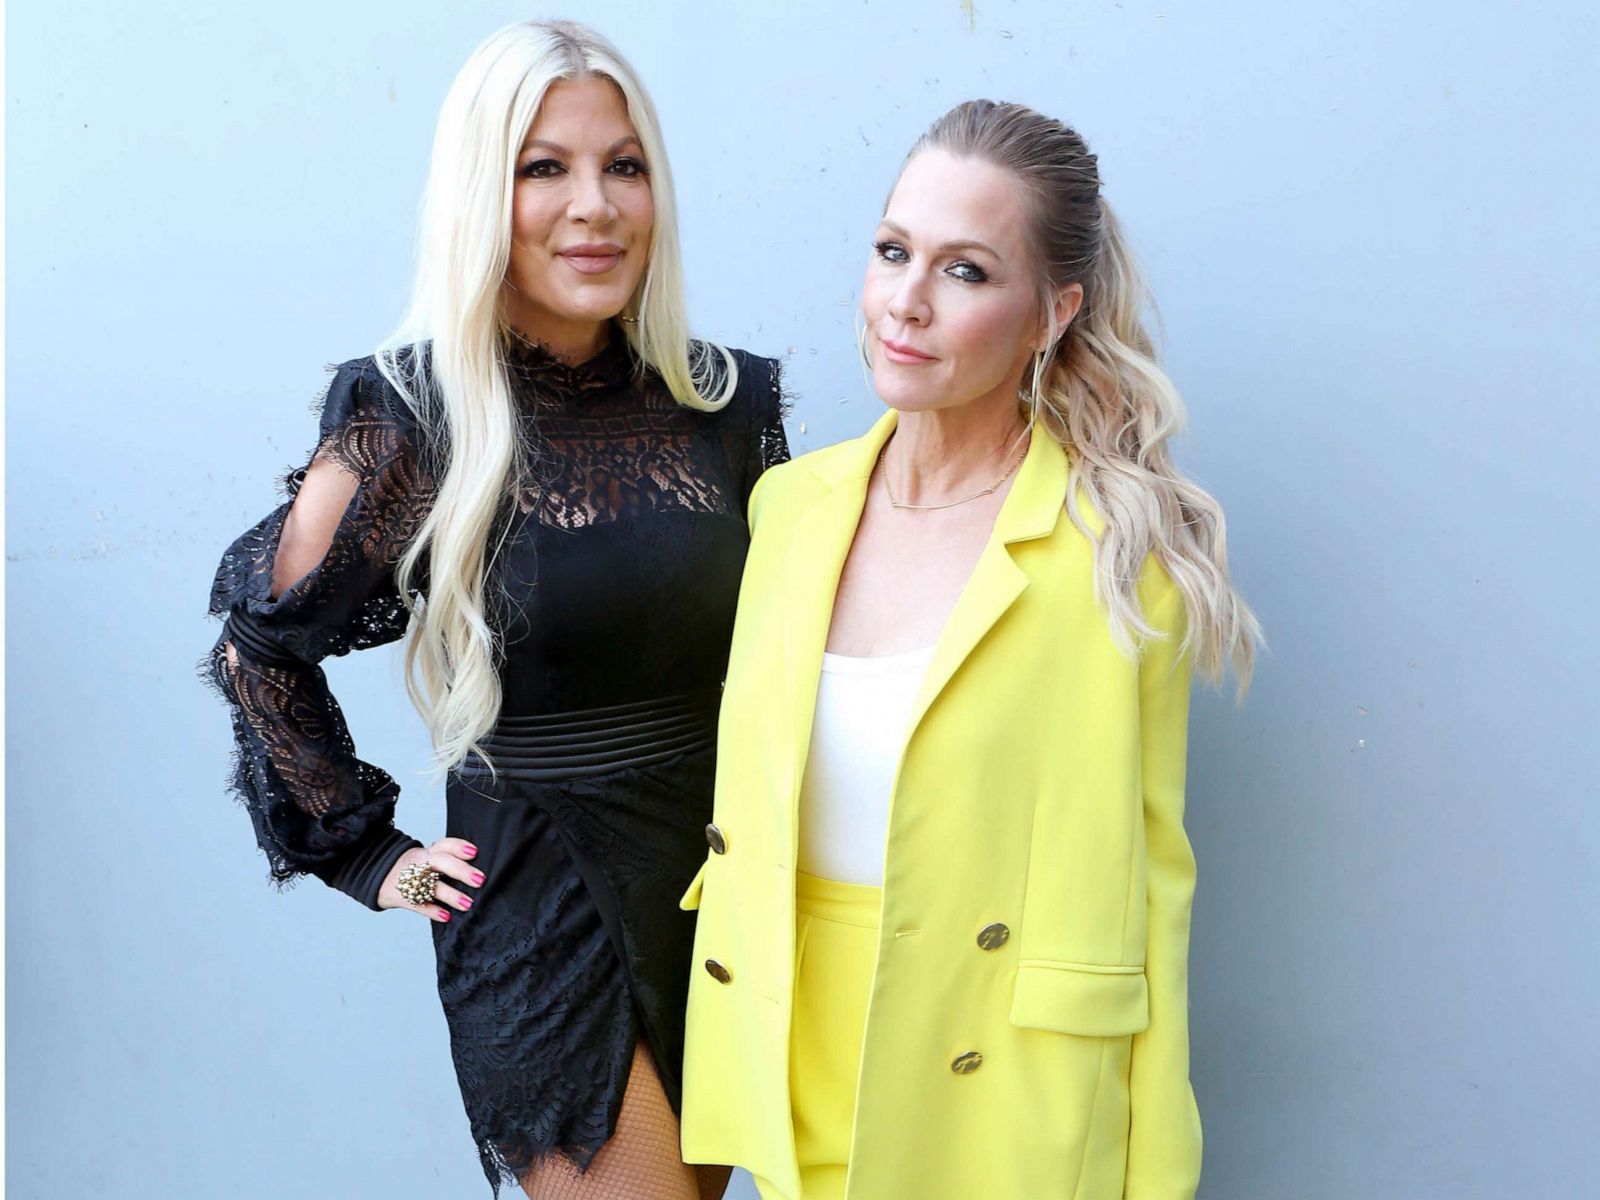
(945, 952)
(540, 481)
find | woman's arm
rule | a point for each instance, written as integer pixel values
(316, 578)
(1164, 1134)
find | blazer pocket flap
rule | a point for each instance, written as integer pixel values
(1080, 998)
(691, 896)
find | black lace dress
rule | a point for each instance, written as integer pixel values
(614, 595)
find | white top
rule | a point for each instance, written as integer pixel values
(860, 728)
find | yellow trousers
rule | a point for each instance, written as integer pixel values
(836, 940)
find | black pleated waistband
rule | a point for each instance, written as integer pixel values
(594, 741)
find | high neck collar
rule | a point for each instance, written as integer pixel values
(534, 364)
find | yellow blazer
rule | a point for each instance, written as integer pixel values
(1041, 789)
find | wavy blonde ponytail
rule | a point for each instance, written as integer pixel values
(1100, 392)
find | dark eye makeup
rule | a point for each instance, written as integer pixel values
(963, 269)
(627, 167)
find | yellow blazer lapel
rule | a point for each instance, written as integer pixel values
(819, 544)
(1036, 501)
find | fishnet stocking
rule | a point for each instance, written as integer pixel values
(641, 1160)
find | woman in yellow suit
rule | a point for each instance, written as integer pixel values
(944, 923)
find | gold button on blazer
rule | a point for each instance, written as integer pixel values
(1040, 791)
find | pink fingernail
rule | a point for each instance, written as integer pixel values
(477, 878)
(465, 904)
(443, 916)
(469, 851)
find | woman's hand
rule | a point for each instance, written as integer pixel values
(449, 856)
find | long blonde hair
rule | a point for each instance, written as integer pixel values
(1100, 392)
(447, 358)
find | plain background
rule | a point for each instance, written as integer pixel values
(1371, 228)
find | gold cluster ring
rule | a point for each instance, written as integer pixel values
(417, 883)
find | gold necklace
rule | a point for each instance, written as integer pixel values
(988, 491)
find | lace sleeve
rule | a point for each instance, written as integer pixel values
(316, 807)
(768, 444)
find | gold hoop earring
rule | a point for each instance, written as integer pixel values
(1036, 386)
(861, 343)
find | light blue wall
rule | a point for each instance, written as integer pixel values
(1372, 230)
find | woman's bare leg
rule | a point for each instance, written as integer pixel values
(641, 1161)
(713, 1180)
